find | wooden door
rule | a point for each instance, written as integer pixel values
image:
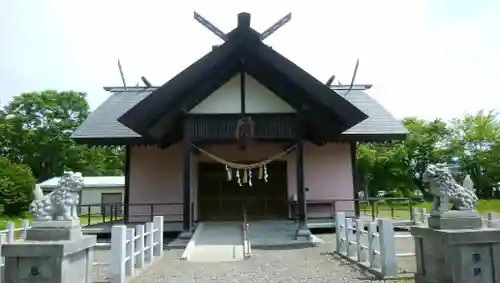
(220, 199)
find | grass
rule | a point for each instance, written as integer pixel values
(84, 220)
(401, 211)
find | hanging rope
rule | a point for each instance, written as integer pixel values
(240, 166)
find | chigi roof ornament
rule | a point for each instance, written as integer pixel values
(243, 20)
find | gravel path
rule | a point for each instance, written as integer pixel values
(315, 264)
(101, 272)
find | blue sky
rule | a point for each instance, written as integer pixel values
(429, 59)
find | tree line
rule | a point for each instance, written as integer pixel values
(35, 145)
(469, 144)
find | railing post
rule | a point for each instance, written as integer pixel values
(489, 224)
(348, 237)
(3, 240)
(192, 215)
(360, 227)
(412, 209)
(105, 213)
(339, 224)
(372, 229)
(372, 203)
(158, 236)
(151, 212)
(334, 207)
(423, 217)
(130, 264)
(149, 242)
(414, 216)
(10, 233)
(89, 217)
(25, 224)
(387, 248)
(139, 230)
(118, 253)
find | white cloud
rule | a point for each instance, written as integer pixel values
(419, 66)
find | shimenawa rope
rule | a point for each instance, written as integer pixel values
(240, 166)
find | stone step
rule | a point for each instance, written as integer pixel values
(217, 253)
(216, 242)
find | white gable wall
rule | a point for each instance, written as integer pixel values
(227, 99)
(259, 99)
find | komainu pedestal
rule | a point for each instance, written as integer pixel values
(57, 252)
(457, 255)
(54, 250)
(455, 248)
(455, 219)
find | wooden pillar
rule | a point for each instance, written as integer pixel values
(301, 195)
(355, 177)
(186, 177)
(126, 196)
(303, 231)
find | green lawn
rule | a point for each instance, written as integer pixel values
(402, 211)
(84, 220)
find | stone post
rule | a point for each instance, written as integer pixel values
(340, 232)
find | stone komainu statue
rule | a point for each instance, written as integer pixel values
(442, 184)
(61, 203)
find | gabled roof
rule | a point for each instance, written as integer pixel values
(89, 182)
(380, 125)
(102, 126)
(243, 52)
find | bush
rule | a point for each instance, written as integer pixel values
(16, 187)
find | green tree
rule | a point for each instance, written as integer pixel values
(40, 126)
(397, 167)
(426, 143)
(36, 129)
(101, 161)
(381, 167)
(475, 142)
(16, 187)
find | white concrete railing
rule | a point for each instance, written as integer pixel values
(373, 249)
(421, 217)
(11, 230)
(491, 222)
(132, 248)
(8, 235)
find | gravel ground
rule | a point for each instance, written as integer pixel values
(315, 264)
(406, 264)
(101, 272)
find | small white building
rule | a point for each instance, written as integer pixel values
(97, 191)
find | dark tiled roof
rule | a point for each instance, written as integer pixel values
(103, 124)
(379, 122)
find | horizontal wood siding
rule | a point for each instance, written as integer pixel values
(223, 127)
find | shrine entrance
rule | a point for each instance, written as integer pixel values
(221, 199)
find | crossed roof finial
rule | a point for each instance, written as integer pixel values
(243, 20)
